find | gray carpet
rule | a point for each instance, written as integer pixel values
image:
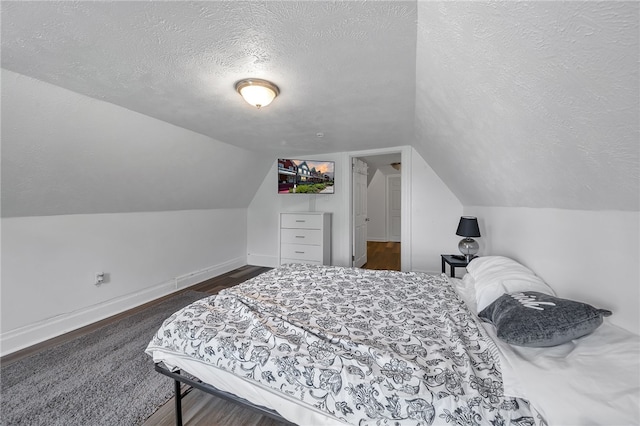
(102, 378)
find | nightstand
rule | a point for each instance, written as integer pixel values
(453, 263)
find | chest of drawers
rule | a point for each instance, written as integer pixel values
(305, 238)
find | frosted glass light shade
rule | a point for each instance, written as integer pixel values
(258, 93)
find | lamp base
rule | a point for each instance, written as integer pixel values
(468, 247)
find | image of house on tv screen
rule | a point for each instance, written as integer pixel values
(305, 176)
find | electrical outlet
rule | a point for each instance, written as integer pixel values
(99, 278)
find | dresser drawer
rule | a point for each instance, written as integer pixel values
(301, 236)
(307, 221)
(301, 252)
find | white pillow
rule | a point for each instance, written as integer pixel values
(496, 275)
(487, 265)
(466, 290)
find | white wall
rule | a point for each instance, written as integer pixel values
(377, 207)
(590, 256)
(434, 213)
(49, 262)
(263, 214)
(89, 186)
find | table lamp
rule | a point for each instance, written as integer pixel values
(467, 228)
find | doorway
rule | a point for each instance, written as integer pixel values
(377, 211)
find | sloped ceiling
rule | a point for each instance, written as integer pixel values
(531, 103)
(511, 103)
(64, 153)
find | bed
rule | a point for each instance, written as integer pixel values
(324, 345)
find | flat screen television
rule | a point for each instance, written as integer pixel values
(305, 176)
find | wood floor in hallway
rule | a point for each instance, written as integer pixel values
(383, 255)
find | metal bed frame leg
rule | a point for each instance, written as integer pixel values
(178, 398)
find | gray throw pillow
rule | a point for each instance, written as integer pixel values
(535, 319)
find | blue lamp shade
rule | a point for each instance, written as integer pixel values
(468, 227)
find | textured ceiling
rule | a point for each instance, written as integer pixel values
(345, 69)
(531, 104)
(512, 103)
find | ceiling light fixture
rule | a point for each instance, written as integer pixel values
(258, 93)
(395, 166)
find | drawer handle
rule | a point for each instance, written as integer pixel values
(301, 221)
(299, 236)
(299, 252)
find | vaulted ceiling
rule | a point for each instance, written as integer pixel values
(511, 103)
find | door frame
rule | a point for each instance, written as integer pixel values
(354, 251)
(387, 199)
(405, 193)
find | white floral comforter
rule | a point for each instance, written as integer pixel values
(368, 347)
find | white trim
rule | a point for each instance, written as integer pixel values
(352, 215)
(405, 181)
(405, 192)
(379, 240)
(387, 200)
(23, 337)
(264, 260)
(192, 278)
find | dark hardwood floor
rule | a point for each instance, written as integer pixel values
(383, 255)
(200, 408)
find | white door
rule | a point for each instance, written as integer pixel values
(394, 207)
(359, 179)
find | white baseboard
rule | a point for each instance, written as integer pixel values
(377, 240)
(263, 260)
(196, 277)
(23, 337)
